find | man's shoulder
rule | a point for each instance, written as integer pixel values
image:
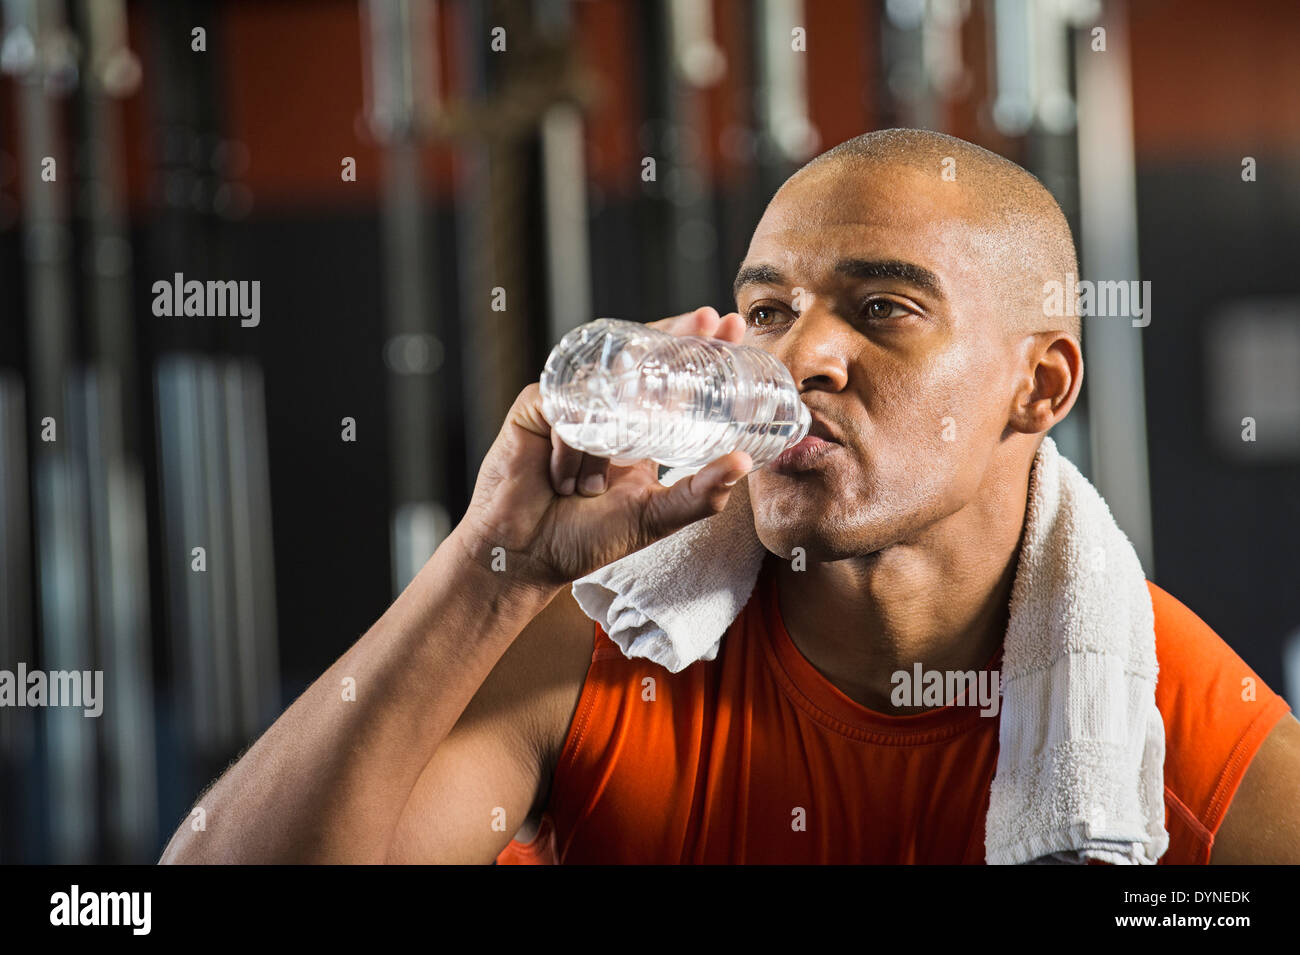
(1216, 710)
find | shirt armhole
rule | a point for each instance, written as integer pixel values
(542, 848)
(1234, 771)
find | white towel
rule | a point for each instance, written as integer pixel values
(1080, 771)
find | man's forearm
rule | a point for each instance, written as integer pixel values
(328, 781)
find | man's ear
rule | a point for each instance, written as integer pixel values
(1051, 374)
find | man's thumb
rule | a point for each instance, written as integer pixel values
(703, 494)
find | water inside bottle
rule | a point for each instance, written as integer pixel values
(621, 433)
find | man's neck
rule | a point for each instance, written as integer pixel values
(941, 601)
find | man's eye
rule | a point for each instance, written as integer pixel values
(882, 309)
(763, 316)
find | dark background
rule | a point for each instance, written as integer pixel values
(228, 166)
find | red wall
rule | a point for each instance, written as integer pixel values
(1211, 81)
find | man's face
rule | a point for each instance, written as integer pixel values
(878, 292)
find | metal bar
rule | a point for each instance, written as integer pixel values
(568, 250)
(907, 38)
(18, 798)
(41, 59)
(214, 502)
(185, 527)
(400, 65)
(693, 61)
(1108, 228)
(115, 432)
(64, 573)
(263, 648)
(786, 135)
(255, 663)
(564, 194)
(117, 527)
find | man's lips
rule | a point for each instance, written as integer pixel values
(820, 442)
(822, 429)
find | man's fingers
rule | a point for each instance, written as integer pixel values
(526, 412)
(703, 494)
(731, 327)
(702, 321)
(565, 463)
(645, 465)
(571, 471)
(706, 322)
(593, 475)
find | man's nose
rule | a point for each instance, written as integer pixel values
(816, 349)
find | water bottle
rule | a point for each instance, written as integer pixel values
(625, 391)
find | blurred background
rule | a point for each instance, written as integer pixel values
(430, 192)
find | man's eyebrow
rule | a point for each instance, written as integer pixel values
(916, 275)
(891, 269)
(756, 275)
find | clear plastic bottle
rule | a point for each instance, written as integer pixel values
(626, 391)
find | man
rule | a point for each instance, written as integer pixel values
(908, 306)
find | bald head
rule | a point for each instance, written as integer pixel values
(1023, 233)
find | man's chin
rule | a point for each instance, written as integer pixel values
(816, 537)
(812, 512)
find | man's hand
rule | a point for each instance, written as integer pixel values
(560, 514)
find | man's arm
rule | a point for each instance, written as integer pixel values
(329, 780)
(332, 779)
(1262, 825)
(495, 768)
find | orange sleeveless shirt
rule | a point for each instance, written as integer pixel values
(755, 757)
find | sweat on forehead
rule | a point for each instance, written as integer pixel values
(1017, 224)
